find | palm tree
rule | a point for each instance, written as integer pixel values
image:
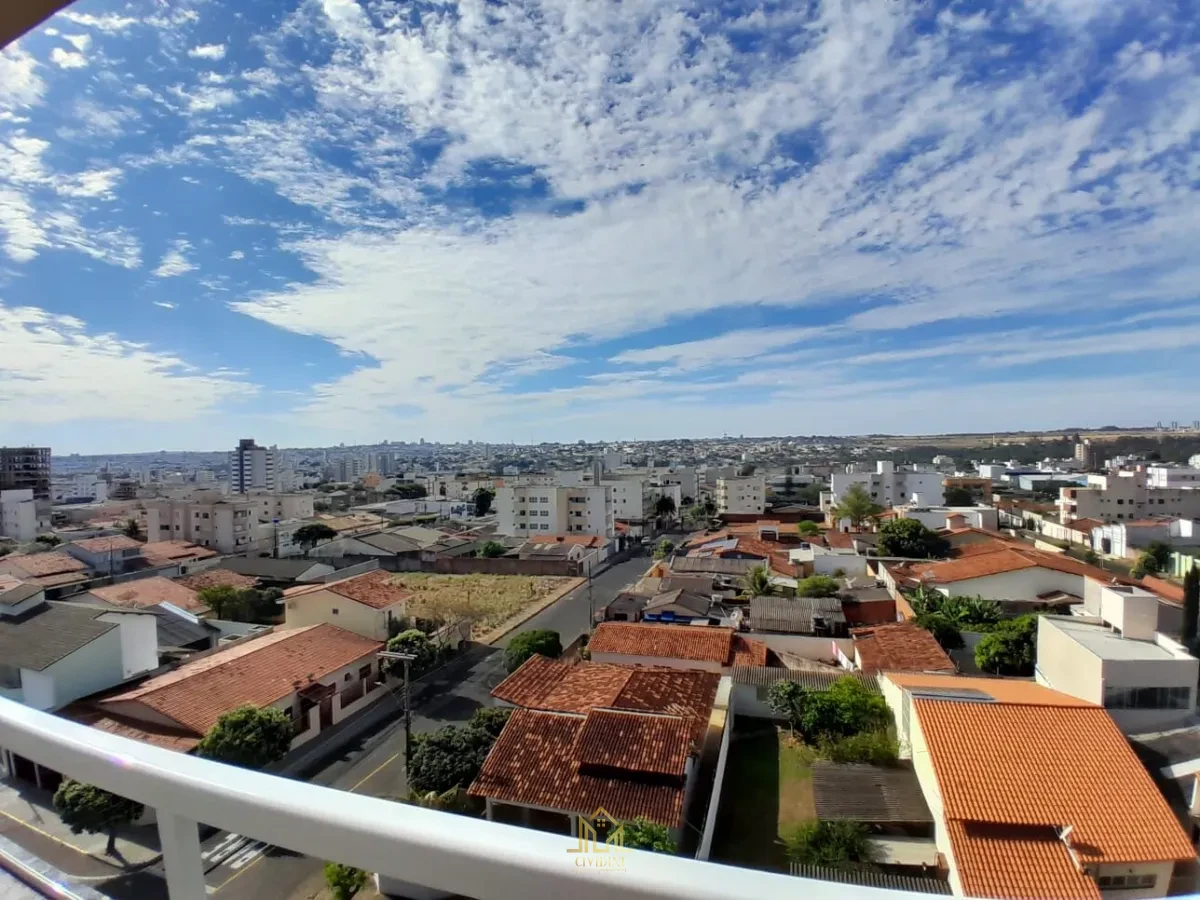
(857, 506)
(924, 601)
(975, 611)
(664, 507)
(132, 529)
(757, 582)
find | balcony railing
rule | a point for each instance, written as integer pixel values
(440, 851)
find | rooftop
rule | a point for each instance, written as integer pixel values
(374, 589)
(813, 679)
(50, 631)
(39, 564)
(1003, 690)
(863, 793)
(900, 646)
(109, 544)
(141, 593)
(218, 578)
(794, 615)
(689, 642)
(163, 553)
(1102, 641)
(257, 671)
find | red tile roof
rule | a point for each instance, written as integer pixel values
(256, 671)
(163, 553)
(374, 589)
(687, 642)
(143, 592)
(634, 742)
(547, 684)
(148, 732)
(40, 564)
(899, 646)
(535, 762)
(108, 544)
(217, 578)
(1042, 767)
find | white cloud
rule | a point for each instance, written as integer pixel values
(164, 304)
(65, 59)
(79, 41)
(20, 86)
(110, 24)
(205, 98)
(237, 254)
(733, 346)
(175, 261)
(208, 51)
(96, 183)
(53, 370)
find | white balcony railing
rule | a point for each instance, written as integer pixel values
(440, 851)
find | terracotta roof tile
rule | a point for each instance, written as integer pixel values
(1016, 862)
(143, 592)
(1003, 690)
(147, 732)
(587, 687)
(1049, 766)
(218, 578)
(531, 682)
(899, 646)
(39, 564)
(634, 742)
(839, 540)
(107, 544)
(534, 763)
(163, 553)
(748, 652)
(698, 643)
(257, 671)
(374, 589)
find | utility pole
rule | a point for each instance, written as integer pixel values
(407, 659)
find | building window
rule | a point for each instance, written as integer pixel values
(364, 673)
(1125, 882)
(334, 611)
(1146, 698)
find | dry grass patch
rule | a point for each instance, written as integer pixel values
(486, 600)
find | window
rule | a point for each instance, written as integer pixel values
(349, 676)
(521, 514)
(1120, 503)
(545, 528)
(334, 611)
(545, 512)
(364, 673)
(1146, 698)
(1125, 882)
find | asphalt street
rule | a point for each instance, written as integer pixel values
(239, 867)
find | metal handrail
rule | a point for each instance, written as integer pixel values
(438, 850)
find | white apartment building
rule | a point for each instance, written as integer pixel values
(253, 467)
(282, 506)
(1124, 495)
(22, 517)
(741, 496)
(887, 485)
(935, 517)
(227, 526)
(1115, 657)
(1172, 477)
(526, 510)
(1125, 539)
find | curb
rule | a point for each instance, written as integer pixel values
(118, 870)
(513, 624)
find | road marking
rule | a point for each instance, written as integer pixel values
(44, 834)
(229, 845)
(255, 851)
(239, 873)
(376, 771)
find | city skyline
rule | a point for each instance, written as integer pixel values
(551, 221)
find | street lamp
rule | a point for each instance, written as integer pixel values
(407, 659)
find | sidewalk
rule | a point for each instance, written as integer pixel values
(33, 808)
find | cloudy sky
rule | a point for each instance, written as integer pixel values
(336, 221)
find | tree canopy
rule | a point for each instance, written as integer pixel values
(406, 490)
(958, 496)
(452, 756)
(944, 630)
(133, 529)
(665, 546)
(845, 709)
(414, 642)
(807, 528)
(224, 600)
(308, 536)
(817, 586)
(249, 737)
(85, 807)
(344, 881)
(856, 505)
(492, 549)
(757, 582)
(527, 643)
(830, 843)
(642, 834)
(664, 507)
(1010, 648)
(483, 501)
(910, 538)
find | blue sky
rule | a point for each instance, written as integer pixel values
(336, 221)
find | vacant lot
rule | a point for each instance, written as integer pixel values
(767, 791)
(487, 600)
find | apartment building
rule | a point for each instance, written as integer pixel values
(525, 510)
(26, 467)
(888, 485)
(1172, 477)
(225, 525)
(272, 506)
(253, 467)
(1122, 495)
(22, 517)
(742, 496)
(1115, 657)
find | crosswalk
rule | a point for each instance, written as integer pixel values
(233, 851)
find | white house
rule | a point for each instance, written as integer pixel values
(938, 516)
(1125, 539)
(22, 517)
(887, 485)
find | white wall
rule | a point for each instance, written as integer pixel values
(1063, 664)
(1023, 584)
(723, 707)
(18, 515)
(37, 689)
(805, 646)
(95, 666)
(139, 641)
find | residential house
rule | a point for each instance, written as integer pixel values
(184, 555)
(142, 593)
(279, 572)
(1117, 659)
(1034, 793)
(898, 647)
(709, 648)
(1172, 757)
(1127, 540)
(22, 516)
(226, 525)
(318, 675)
(937, 516)
(821, 616)
(56, 572)
(367, 604)
(109, 555)
(1077, 531)
(219, 577)
(625, 739)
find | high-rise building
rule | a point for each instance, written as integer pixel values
(26, 468)
(252, 467)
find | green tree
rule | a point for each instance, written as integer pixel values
(483, 501)
(943, 629)
(527, 643)
(405, 490)
(85, 807)
(687, 501)
(50, 540)
(875, 748)
(249, 737)
(260, 605)
(1010, 648)
(492, 549)
(1145, 565)
(344, 881)
(970, 613)
(857, 506)
(1160, 552)
(225, 601)
(642, 834)
(807, 528)
(957, 496)
(308, 536)
(132, 529)
(846, 708)
(910, 538)
(831, 844)
(490, 719)
(757, 582)
(664, 548)
(924, 600)
(710, 507)
(664, 507)
(417, 643)
(817, 586)
(746, 470)
(809, 494)
(448, 758)
(786, 699)
(1191, 603)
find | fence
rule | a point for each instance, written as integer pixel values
(468, 565)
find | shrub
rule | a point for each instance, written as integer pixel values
(846, 708)
(944, 631)
(642, 834)
(877, 748)
(834, 844)
(817, 586)
(527, 643)
(1010, 648)
(249, 737)
(414, 642)
(344, 881)
(910, 538)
